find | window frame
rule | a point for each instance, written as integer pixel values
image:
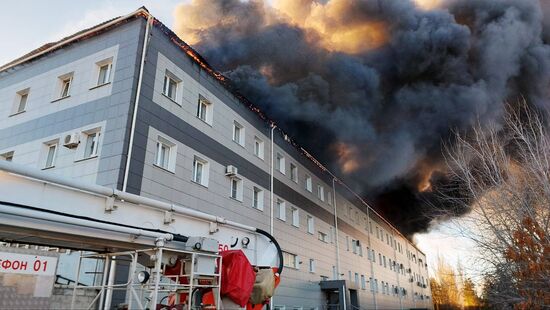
(204, 107)
(322, 236)
(292, 261)
(95, 148)
(62, 91)
(293, 172)
(280, 163)
(311, 265)
(16, 109)
(171, 152)
(109, 72)
(238, 133)
(238, 190)
(205, 171)
(49, 146)
(310, 224)
(259, 148)
(295, 213)
(320, 192)
(168, 77)
(281, 214)
(257, 198)
(308, 183)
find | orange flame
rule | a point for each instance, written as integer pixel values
(347, 157)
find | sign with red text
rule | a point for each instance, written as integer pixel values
(27, 264)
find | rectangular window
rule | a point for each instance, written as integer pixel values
(104, 74)
(290, 260)
(258, 147)
(371, 284)
(320, 192)
(347, 243)
(363, 282)
(354, 246)
(329, 198)
(200, 171)
(282, 209)
(293, 172)
(8, 156)
(65, 83)
(236, 188)
(323, 237)
(164, 154)
(380, 259)
(238, 133)
(21, 101)
(280, 163)
(258, 198)
(310, 225)
(51, 150)
(309, 184)
(170, 86)
(334, 273)
(385, 261)
(295, 217)
(311, 265)
(92, 144)
(356, 279)
(204, 108)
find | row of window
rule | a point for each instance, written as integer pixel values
(171, 85)
(204, 110)
(103, 71)
(165, 158)
(89, 149)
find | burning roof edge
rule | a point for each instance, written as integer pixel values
(195, 56)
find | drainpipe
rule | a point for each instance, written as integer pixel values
(371, 260)
(336, 232)
(273, 126)
(136, 104)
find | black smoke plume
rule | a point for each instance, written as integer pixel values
(374, 87)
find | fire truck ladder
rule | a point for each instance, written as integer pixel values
(152, 236)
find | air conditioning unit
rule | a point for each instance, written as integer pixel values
(72, 140)
(231, 170)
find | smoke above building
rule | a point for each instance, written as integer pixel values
(374, 87)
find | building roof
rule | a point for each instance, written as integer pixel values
(198, 59)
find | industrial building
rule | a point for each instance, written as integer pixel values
(127, 104)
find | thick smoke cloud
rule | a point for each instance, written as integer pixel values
(373, 87)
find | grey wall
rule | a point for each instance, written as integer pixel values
(114, 108)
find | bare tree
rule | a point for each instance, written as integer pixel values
(501, 173)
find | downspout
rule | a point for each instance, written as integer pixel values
(273, 126)
(337, 241)
(136, 104)
(371, 260)
(271, 228)
(336, 232)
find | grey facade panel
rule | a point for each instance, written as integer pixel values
(114, 108)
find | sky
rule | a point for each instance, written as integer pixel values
(30, 24)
